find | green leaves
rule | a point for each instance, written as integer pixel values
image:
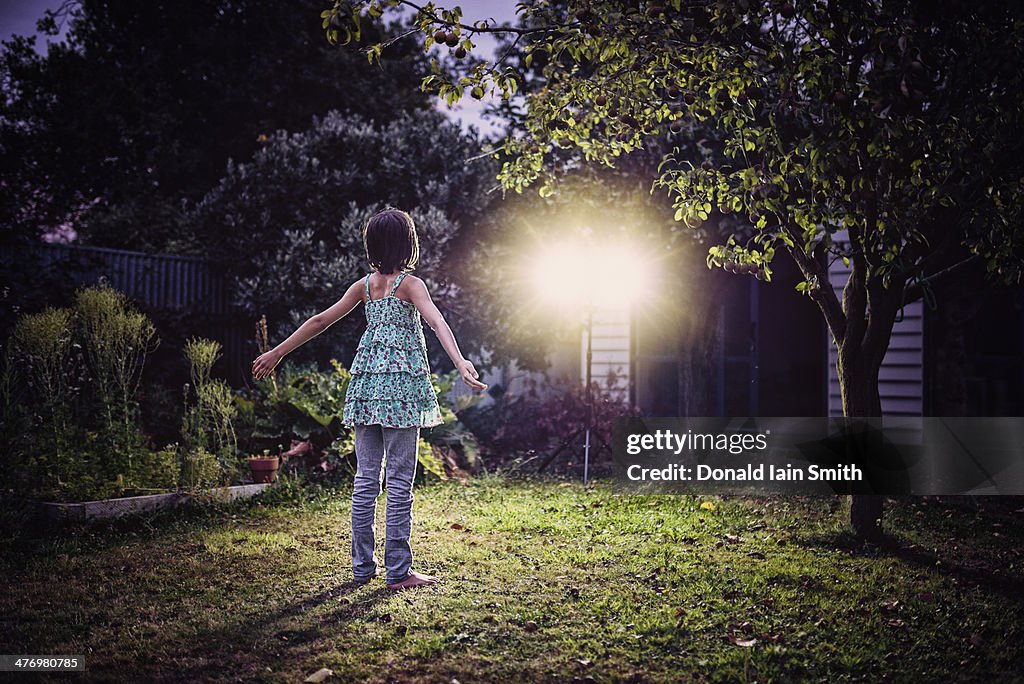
(842, 127)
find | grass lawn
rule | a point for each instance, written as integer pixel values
(545, 581)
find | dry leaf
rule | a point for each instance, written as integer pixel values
(708, 506)
(741, 642)
(320, 675)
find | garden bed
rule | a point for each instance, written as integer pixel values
(115, 508)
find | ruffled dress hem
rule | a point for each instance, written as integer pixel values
(390, 384)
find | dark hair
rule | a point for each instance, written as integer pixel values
(390, 241)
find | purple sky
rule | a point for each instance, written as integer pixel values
(19, 17)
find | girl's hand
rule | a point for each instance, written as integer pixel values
(469, 375)
(264, 364)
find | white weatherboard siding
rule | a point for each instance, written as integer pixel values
(900, 380)
(610, 351)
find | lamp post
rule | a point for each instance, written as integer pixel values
(582, 276)
(588, 411)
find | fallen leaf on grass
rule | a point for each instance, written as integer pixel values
(531, 626)
(320, 675)
(456, 526)
(742, 642)
(708, 506)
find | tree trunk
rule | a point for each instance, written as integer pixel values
(698, 364)
(858, 381)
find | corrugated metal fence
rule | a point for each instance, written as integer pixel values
(161, 282)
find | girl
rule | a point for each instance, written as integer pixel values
(390, 396)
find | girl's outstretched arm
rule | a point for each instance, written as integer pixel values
(314, 325)
(419, 296)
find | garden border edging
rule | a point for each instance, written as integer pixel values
(114, 508)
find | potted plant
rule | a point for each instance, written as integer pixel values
(264, 468)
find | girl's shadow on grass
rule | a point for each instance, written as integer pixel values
(352, 603)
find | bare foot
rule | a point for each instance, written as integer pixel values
(414, 579)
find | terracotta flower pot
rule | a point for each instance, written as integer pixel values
(264, 468)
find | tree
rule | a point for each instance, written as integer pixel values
(286, 225)
(142, 104)
(896, 122)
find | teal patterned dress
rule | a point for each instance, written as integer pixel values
(390, 383)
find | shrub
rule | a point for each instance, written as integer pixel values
(44, 340)
(207, 426)
(199, 469)
(535, 423)
(115, 339)
(74, 430)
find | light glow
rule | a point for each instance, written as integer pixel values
(578, 274)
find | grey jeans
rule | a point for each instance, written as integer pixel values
(394, 449)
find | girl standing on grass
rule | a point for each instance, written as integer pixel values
(390, 396)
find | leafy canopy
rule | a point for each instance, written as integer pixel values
(818, 116)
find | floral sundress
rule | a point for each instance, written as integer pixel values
(390, 383)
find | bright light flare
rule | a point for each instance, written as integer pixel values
(575, 275)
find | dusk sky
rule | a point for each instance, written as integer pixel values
(20, 16)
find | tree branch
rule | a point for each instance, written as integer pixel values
(915, 290)
(491, 29)
(823, 294)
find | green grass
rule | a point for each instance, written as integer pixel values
(545, 581)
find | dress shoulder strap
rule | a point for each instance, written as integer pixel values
(397, 281)
(366, 283)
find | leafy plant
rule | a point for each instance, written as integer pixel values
(450, 448)
(79, 435)
(199, 469)
(535, 423)
(308, 405)
(44, 340)
(115, 339)
(208, 422)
